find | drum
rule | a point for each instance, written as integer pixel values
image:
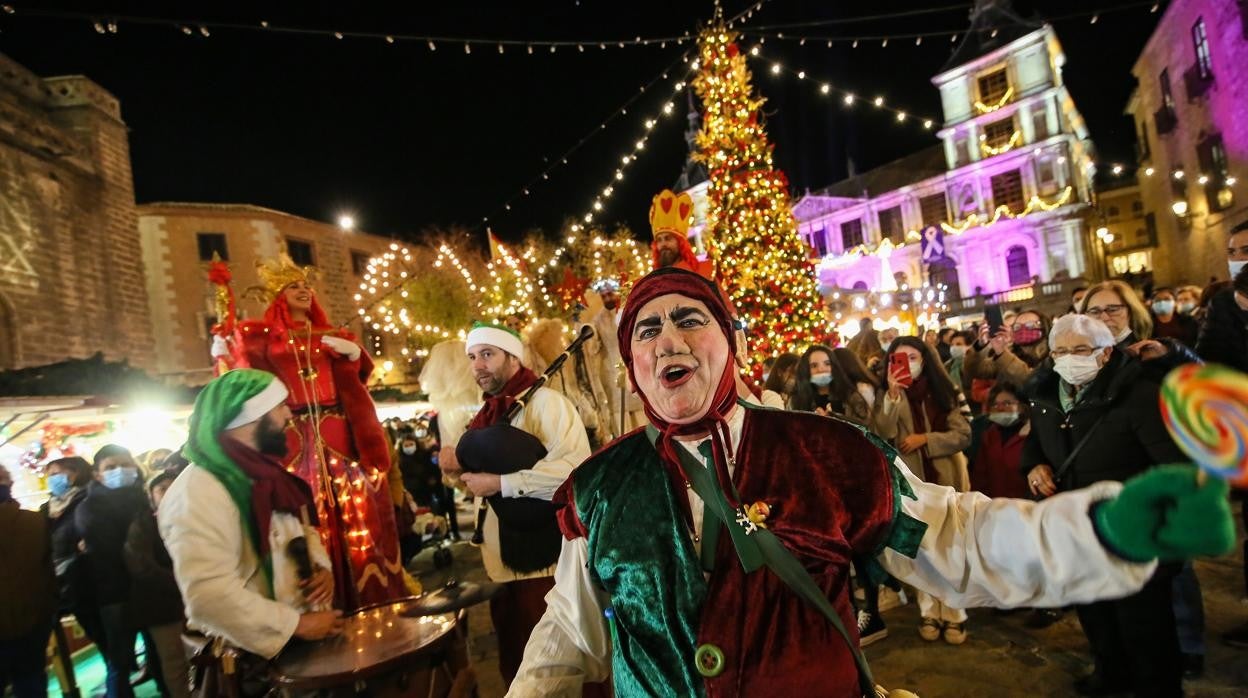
(381, 652)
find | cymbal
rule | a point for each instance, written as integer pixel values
(456, 595)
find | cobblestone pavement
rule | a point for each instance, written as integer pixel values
(1000, 658)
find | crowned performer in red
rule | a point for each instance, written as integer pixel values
(670, 216)
(336, 442)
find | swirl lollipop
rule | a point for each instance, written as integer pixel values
(1205, 408)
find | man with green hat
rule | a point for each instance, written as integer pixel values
(230, 519)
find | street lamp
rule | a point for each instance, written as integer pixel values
(346, 222)
(1179, 207)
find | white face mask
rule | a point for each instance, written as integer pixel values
(1077, 370)
(1235, 267)
(409, 450)
(1005, 419)
(957, 351)
(821, 379)
(1186, 307)
(916, 367)
(1163, 307)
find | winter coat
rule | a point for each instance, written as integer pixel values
(1156, 369)
(894, 422)
(73, 575)
(1128, 440)
(1224, 336)
(1009, 366)
(1182, 328)
(995, 463)
(104, 519)
(28, 586)
(154, 595)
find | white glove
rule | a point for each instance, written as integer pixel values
(219, 347)
(346, 347)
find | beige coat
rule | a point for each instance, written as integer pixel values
(894, 422)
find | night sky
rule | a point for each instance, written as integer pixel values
(410, 140)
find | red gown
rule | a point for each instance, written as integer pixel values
(337, 445)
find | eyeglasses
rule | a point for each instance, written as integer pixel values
(1082, 350)
(1004, 404)
(1106, 310)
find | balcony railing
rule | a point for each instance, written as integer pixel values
(1165, 120)
(1048, 296)
(1197, 81)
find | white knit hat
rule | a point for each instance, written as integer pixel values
(495, 335)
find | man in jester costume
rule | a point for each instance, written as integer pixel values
(238, 525)
(709, 553)
(335, 442)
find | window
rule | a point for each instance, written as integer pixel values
(819, 242)
(992, 87)
(1212, 156)
(210, 244)
(1200, 42)
(359, 262)
(1137, 207)
(860, 286)
(1167, 97)
(945, 273)
(1016, 266)
(1007, 190)
(961, 154)
(300, 252)
(1046, 175)
(1040, 123)
(933, 209)
(1145, 149)
(851, 234)
(891, 226)
(999, 135)
(1112, 212)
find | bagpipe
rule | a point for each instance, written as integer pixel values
(529, 538)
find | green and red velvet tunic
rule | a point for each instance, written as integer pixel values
(833, 496)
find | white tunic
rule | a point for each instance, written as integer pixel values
(218, 571)
(976, 552)
(552, 418)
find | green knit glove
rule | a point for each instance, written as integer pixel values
(1163, 514)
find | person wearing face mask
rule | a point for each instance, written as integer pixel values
(823, 388)
(1118, 306)
(68, 479)
(1013, 353)
(1168, 321)
(858, 374)
(926, 418)
(780, 381)
(1187, 300)
(1224, 334)
(113, 501)
(997, 447)
(1095, 417)
(959, 346)
(28, 590)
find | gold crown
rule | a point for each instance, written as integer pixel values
(277, 274)
(671, 213)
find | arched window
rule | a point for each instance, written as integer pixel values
(860, 286)
(1016, 266)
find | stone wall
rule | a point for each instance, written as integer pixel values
(71, 271)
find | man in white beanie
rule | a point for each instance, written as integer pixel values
(230, 518)
(521, 555)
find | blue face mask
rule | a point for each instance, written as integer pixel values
(120, 477)
(58, 484)
(821, 379)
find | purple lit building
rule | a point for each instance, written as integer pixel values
(1191, 116)
(1000, 201)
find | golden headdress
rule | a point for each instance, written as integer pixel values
(277, 274)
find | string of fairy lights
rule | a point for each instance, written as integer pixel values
(562, 160)
(847, 97)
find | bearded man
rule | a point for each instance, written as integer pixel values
(235, 521)
(709, 553)
(521, 560)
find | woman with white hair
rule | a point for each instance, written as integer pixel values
(1095, 416)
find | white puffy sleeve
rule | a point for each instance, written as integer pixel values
(1006, 553)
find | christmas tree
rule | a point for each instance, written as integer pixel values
(760, 261)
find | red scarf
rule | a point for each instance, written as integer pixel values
(272, 488)
(496, 406)
(923, 404)
(673, 280)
